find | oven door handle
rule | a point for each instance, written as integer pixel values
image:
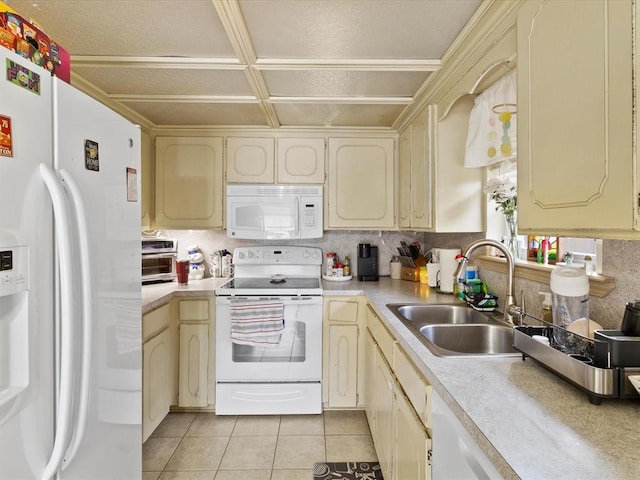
(286, 300)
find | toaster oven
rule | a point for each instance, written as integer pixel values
(159, 259)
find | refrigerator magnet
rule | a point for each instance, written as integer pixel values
(91, 156)
(132, 185)
(6, 142)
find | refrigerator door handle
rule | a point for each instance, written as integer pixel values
(87, 312)
(65, 391)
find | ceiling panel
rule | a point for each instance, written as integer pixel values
(336, 115)
(205, 114)
(355, 29)
(343, 83)
(163, 81)
(189, 28)
(272, 63)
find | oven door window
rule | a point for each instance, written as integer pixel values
(291, 349)
(156, 265)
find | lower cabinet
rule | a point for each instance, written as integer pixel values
(343, 355)
(156, 397)
(194, 354)
(401, 433)
(196, 383)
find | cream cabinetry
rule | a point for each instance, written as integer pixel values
(300, 160)
(436, 192)
(195, 360)
(157, 368)
(250, 160)
(294, 160)
(343, 357)
(415, 175)
(361, 183)
(146, 180)
(577, 165)
(189, 189)
(398, 406)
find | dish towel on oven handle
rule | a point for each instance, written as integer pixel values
(257, 323)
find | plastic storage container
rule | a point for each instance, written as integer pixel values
(570, 298)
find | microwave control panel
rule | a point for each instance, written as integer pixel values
(13, 269)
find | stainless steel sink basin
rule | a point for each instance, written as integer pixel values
(457, 330)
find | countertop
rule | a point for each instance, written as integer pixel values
(529, 422)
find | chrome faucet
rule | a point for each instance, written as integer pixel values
(511, 309)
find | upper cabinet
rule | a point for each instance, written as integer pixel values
(437, 193)
(294, 161)
(250, 160)
(361, 183)
(147, 172)
(300, 160)
(577, 168)
(415, 191)
(189, 189)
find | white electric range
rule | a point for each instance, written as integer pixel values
(269, 332)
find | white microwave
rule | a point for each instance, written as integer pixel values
(274, 211)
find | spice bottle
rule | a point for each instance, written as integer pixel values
(330, 263)
(589, 266)
(347, 266)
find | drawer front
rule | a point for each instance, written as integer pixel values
(382, 336)
(342, 311)
(415, 386)
(194, 310)
(155, 320)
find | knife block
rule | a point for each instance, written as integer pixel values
(412, 274)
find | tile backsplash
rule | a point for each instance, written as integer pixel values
(621, 260)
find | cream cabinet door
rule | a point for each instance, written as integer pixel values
(383, 400)
(250, 160)
(421, 172)
(156, 381)
(146, 180)
(577, 170)
(189, 182)
(343, 356)
(405, 153)
(343, 365)
(300, 160)
(193, 365)
(415, 158)
(412, 444)
(361, 183)
(369, 357)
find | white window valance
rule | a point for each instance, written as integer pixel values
(492, 124)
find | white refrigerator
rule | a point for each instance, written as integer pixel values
(70, 298)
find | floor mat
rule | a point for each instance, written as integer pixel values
(347, 471)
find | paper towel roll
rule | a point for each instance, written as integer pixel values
(448, 264)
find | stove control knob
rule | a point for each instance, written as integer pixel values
(240, 254)
(315, 254)
(306, 254)
(250, 254)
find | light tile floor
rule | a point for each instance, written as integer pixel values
(203, 446)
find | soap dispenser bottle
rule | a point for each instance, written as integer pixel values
(547, 313)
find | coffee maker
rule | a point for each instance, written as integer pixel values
(367, 262)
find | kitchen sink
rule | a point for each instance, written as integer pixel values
(454, 330)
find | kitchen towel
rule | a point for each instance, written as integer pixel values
(448, 264)
(257, 323)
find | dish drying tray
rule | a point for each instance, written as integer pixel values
(582, 361)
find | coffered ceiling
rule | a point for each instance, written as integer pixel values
(254, 63)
